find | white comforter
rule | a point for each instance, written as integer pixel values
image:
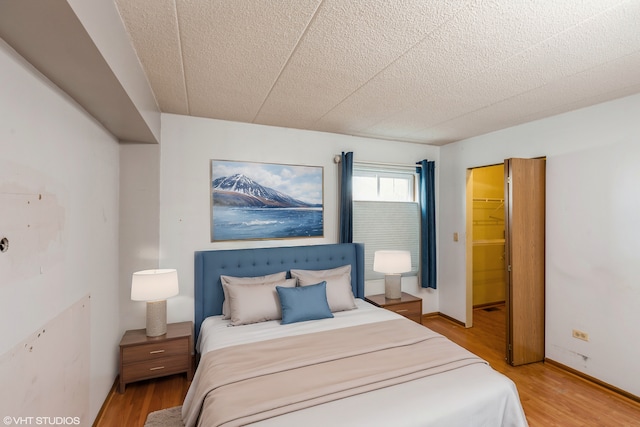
(474, 395)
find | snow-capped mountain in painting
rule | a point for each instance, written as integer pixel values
(240, 190)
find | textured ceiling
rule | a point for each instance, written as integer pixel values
(413, 70)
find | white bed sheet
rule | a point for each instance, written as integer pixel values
(475, 395)
(216, 332)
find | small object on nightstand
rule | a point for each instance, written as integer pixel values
(407, 305)
(143, 357)
(154, 287)
(392, 264)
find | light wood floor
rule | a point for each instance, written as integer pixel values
(550, 396)
(131, 408)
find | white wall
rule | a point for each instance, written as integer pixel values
(593, 234)
(187, 146)
(59, 208)
(139, 223)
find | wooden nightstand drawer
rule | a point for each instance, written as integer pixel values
(155, 368)
(412, 310)
(143, 357)
(407, 305)
(159, 350)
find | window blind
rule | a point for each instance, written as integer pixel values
(386, 226)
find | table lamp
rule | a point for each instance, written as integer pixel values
(154, 287)
(392, 264)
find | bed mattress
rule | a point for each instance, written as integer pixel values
(473, 395)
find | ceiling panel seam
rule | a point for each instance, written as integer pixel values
(184, 74)
(497, 65)
(526, 118)
(520, 93)
(402, 55)
(580, 102)
(286, 63)
(535, 45)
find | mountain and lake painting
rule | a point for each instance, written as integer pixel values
(251, 201)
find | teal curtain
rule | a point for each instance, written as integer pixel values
(346, 197)
(428, 278)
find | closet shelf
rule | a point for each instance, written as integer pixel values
(488, 199)
(488, 242)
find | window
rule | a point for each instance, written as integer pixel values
(386, 214)
(383, 186)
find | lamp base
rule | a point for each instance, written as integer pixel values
(392, 286)
(156, 318)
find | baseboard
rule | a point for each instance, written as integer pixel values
(433, 314)
(114, 387)
(444, 316)
(589, 378)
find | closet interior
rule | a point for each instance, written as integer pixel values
(489, 273)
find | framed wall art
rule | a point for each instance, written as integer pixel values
(257, 201)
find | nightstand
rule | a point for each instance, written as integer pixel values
(143, 357)
(407, 305)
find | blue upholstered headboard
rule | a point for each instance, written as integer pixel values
(209, 265)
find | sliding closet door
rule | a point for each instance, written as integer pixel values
(524, 253)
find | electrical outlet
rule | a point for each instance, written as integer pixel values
(580, 335)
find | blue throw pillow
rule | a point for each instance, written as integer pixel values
(304, 303)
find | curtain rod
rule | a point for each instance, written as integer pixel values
(337, 158)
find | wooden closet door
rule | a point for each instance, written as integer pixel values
(524, 247)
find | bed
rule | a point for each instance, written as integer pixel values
(325, 357)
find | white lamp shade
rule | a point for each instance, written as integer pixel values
(392, 262)
(154, 285)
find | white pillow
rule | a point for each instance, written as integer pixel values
(255, 302)
(231, 280)
(339, 292)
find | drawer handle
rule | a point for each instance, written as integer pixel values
(156, 351)
(156, 368)
(401, 310)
